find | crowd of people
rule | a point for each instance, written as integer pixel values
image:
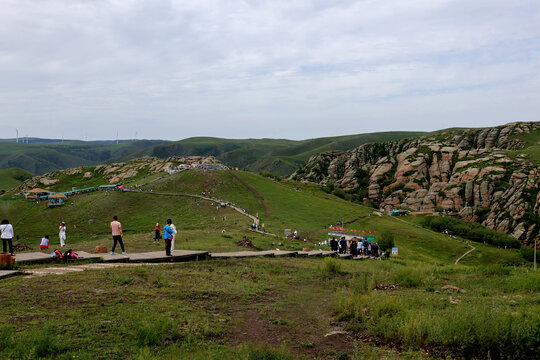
(354, 246)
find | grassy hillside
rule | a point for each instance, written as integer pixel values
(278, 308)
(39, 158)
(275, 155)
(10, 178)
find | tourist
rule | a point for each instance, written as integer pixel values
(6, 231)
(167, 237)
(44, 242)
(173, 227)
(366, 246)
(157, 233)
(343, 246)
(353, 247)
(375, 249)
(62, 234)
(117, 235)
(334, 244)
(361, 247)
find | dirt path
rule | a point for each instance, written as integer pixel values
(467, 253)
(256, 193)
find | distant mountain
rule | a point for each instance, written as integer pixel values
(490, 175)
(41, 157)
(279, 156)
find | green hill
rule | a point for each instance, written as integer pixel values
(279, 205)
(10, 178)
(39, 158)
(278, 156)
(416, 305)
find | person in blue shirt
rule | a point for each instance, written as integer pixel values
(168, 233)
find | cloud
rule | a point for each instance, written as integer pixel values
(296, 69)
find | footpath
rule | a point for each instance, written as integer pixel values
(103, 261)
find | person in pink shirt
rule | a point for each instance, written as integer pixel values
(117, 235)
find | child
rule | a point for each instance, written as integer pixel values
(44, 242)
(157, 235)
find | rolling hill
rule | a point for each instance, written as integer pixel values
(10, 178)
(279, 156)
(42, 157)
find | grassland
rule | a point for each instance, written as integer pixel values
(39, 158)
(278, 308)
(10, 178)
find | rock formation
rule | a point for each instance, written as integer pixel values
(478, 174)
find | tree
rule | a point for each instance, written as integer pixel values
(386, 241)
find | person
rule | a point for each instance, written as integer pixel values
(343, 245)
(173, 227)
(334, 244)
(353, 247)
(117, 235)
(361, 247)
(167, 237)
(157, 235)
(366, 246)
(44, 242)
(6, 231)
(375, 249)
(62, 234)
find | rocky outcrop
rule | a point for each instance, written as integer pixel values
(114, 173)
(476, 174)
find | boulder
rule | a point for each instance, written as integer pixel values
(100, 249)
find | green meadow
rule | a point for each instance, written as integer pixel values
(263, 308)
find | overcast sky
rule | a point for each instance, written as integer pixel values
(287, 69)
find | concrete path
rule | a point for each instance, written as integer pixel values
(146, 257)
(245, 254)
(9, 273)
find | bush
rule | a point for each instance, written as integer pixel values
(386, 241)
(332, 265)
(528, 253)
(340, 193)
(471, 231)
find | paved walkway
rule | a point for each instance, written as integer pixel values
(149, 258)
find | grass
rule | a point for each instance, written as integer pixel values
(13, 177)
(262, 308)
(272, 308)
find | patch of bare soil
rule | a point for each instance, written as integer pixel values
(305, 331)
(256, 193)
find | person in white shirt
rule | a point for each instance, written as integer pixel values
(6, 233)
(173, 235)
(62, 234)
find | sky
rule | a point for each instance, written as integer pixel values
(85, 69)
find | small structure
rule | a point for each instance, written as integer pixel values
(399, 212)
(57, 200)
(36, 194)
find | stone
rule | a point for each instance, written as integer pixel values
(100, 249)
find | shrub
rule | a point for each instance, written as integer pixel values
(528, 253)
(386, 241)
(340, 193)
(471, 231)
(408, 277)
(332, 265)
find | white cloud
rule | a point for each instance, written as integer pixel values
(292, 69)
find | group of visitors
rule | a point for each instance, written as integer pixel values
(45, 242)
(355, 247)
(169, 235)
